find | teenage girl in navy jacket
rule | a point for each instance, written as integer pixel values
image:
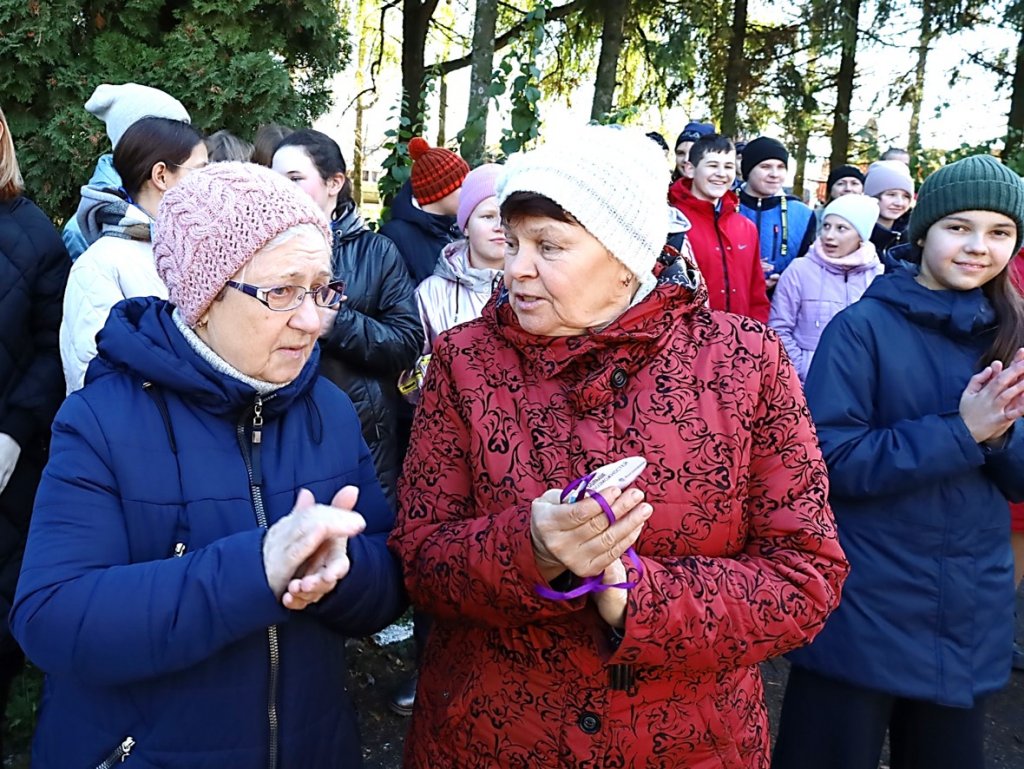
(917, 392)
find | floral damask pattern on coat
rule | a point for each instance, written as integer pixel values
(741, 560)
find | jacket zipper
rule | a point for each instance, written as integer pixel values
(725, 265)
(120, 754)
(254, 467)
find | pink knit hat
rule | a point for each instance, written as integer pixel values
(215, 220)
(477, 187)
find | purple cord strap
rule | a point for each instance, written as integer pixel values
(592, 584)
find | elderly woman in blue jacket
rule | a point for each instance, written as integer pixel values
(195, 558)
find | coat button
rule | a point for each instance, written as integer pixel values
(589, 722)
(618, 378)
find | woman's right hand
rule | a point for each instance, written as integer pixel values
(309, 529)
(578, 537)
(994, 399)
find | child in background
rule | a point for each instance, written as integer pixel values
(889, 182)
(917, 393)
(839, 267)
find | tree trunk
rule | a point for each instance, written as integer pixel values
(415, 22)
(847, 73)
(1015, 121)
(442, 112)
(800, 153)
(927, 34)
(356, 173)
(480, 75)
(734, 67)
(615, 13)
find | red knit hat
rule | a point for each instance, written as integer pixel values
(435, 171)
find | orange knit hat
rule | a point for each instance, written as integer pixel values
(435, 171)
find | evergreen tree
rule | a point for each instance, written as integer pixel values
(234, 64)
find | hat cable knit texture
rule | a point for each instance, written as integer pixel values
(436, 172)
(613, 183)
(860, 211)
(215, 220)
(120, 106)
(976, 183)
(885, 175)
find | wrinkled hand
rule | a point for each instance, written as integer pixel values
(310, 583)
(578, 537)
(10, 451)
(310, 546)
(994, 399)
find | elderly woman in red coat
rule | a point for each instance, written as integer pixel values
(564, 639)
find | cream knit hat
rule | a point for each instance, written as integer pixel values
(860, 211)
(612, 181)
(120, 106)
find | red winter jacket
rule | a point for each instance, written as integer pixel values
(734, 277)
(741, 560)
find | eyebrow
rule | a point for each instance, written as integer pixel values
(1005, 222)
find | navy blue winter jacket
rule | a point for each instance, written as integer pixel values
(766, 214)
(143, 594)
(927, 611)
(419, 235)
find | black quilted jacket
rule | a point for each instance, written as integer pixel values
(33, 270)
(377, 335)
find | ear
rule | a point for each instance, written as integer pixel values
(689, 170)
(335, 184)
(159, 175)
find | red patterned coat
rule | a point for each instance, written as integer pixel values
(741, 560)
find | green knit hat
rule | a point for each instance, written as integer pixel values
(977, 183)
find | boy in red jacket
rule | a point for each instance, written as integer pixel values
(724, 242)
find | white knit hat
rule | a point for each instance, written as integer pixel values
(121, 105)
(859, 210)
(611, 180)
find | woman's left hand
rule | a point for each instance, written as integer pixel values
(611, 603)
(312, 581)
(578, 537)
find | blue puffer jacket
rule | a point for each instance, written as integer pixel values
(143, 594)
(927, 611)
(766, 214)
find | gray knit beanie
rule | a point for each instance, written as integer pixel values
(977, 183)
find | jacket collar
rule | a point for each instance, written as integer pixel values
(592, 361)
(142, 340)
(959, 314)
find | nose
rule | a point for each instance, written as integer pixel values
(521, 264)
(306, 317)
(976, 244)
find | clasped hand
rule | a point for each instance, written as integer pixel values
(578, 537)
(305, 554)
(994, 399)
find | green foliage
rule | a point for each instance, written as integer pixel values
(234, 64)
(397, 166)
(519, 75)
(22, 708)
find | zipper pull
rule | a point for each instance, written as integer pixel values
(257, 420)
(126, 748)
(179, 549)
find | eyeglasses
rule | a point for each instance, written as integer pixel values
(284, 298)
